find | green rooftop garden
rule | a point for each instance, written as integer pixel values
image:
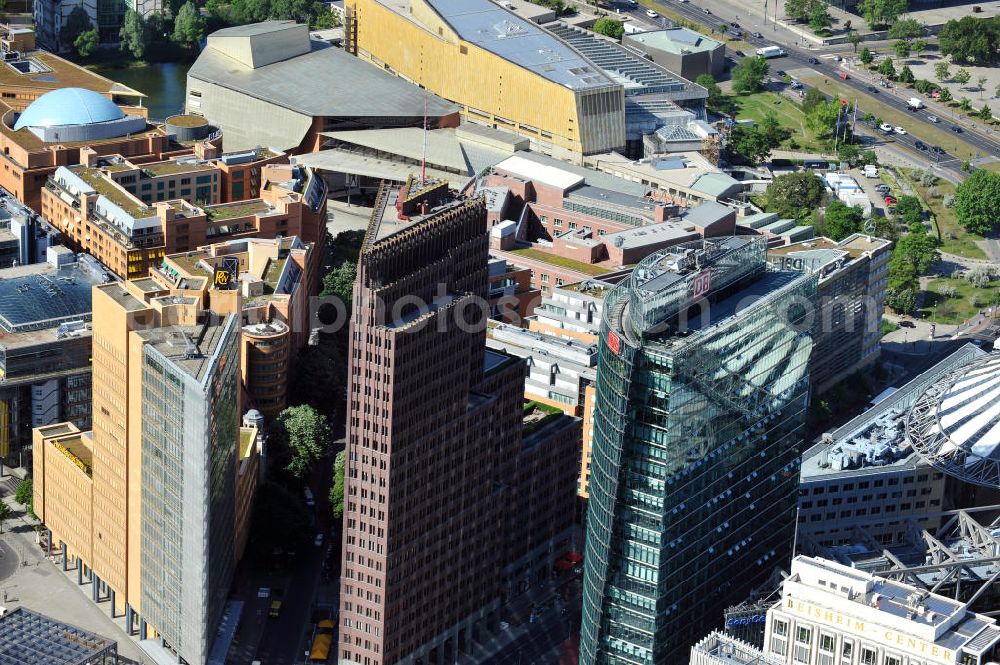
(569, 264)
(537, 416)
(112, 191)
(233, 210)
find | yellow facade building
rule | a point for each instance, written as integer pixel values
(151, 506)
(502, 70)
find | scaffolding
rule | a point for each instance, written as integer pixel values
(29, 638)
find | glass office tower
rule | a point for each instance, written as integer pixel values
(702, 387)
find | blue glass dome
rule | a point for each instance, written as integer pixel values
(68, 106)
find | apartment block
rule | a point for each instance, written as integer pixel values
(146, 505)
(122, 226)
(853, 274)
(266, 282)
(451, 510)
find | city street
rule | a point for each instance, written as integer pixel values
(711, 13)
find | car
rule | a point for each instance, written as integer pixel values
(756, 35)
(706, 10)
(318, 541)
(890, 200)
(275, 609)
(813, 61)
(734, 24)
(740, 54)
(907, 324)
(796, 85)
(938, 149)
(651, 14)
(957, 129)
(781, 73)
(885, 127)
(882, 187)
(920, 145)
(844, 75)
(837, 58)
(934, 119)
(899, 130)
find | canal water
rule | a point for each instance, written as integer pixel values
(164, 84)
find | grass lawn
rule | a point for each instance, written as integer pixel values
(757, 105)
(954, 238)
(871, 104)
(960, 308)
(990, 166)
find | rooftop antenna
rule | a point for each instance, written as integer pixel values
(423, 158)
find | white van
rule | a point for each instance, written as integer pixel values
(870, 171)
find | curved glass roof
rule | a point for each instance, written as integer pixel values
(955, 424)
(69, 106)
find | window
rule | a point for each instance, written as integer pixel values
(867, 656)
(778, 646)
(558, 223)
(801, 653)
(781, 628)
(893, 660)
(803, 634)
(572, 225)
(826, 642)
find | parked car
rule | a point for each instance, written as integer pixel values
(934, 119)
(813, 61)
(890, 200)
(796, 84)
(757, 35)
(907, 324)
(899, 130)
(938, 149)
(957, 129)
(920, 145)
(651, 14)
(734, 24)
(885, 127)
(781, 73)
(843, 75)
(882, 187)
(740, 54)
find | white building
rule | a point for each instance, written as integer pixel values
(831, 614)
(718, 648)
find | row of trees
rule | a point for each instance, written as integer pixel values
(814, 12)
(971, 39)
(188, 30)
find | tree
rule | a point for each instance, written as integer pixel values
(985, 113)
(609, 27)
(814, 97)
(906, 28)
(77, 22)
(134, 34)
(977, 200)
(716, 101)
(819, 17)
(902, 48)
(981, 84)
(866, 56)
(881, 12)
(970, 39)
(919, 46)
(922, 86)
(906, 75)
(750, 144)
(189, 25)
(795, 194)
(85, 43)
(848, 152)
(887, 69)
(841, 220)
(306, 433)
(748, 76)
(909, 210)
(945, 95)
(962, 76)
(340, 282)
(337, 488)
(965, 104)
(854, 39)
(902, 301)
(917, 250)
(823, 118)
(941, 71)
(798, 9)
(5, 514)
(24, 492)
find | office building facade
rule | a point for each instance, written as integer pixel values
(145, 506)
(832, 614)
(452, 498)
(694, 469)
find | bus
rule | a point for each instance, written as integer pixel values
(771, 52)
(321, 643)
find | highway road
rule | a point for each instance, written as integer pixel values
(720, 12)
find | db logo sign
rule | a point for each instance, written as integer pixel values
(701, 284)
(614, 342)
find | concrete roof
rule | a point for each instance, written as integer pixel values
(342, 161)
(590, 176)
(650, 235)
(323, 82)
(444, 148)
(675, 40)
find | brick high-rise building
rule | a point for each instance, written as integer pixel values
(455, 501)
